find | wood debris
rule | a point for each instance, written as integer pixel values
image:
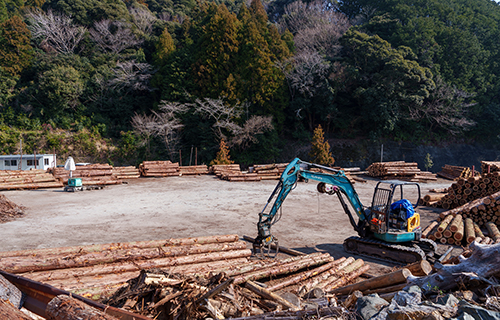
(9, 210)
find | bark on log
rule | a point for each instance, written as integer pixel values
(455, 223)
(67, 308)
(444, 224)
(429, 228)
(493, 232)
(352, 299)
(25, 264)
(122, 245)
(317, 280)
(347, 278)
(284, 269)
(483, 262)
(303, 276)
(470, 234)
(269, 295)
(386, 280)
(341, 274)
(128, 266)
(9, 312)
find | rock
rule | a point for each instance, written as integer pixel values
(370, 305)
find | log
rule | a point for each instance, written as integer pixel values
(420, 268)
(266, 294)
(10, 293)
(352, 299)
(317, 280)
(283, 269)
(302, 276)
(459, 234)
(386, 280)
(341, 274)
(128, 266)
(9, 312)
(470, 234)
(455, 224)
(429, 228)
(478, 231)
(493, 232)
(347, 278)
(122, 245)
(25, 264)
(444, 224)
(67, 308)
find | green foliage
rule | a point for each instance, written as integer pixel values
(428, 162)
(320, 149)
(86, 12)
(15, 49)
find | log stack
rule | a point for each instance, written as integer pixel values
(193, 170)
(466, 190)
(269, 171)
(92, 174)
(490, 166)
(456, 172)
(407, 171)
(232, 172)
(159, 169)
(451, 230)
(151, 277)
(129, 172)
(27, 179)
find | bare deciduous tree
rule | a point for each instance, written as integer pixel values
(131, 75)
(225, 119)
(143, 19)
(446, 108)
(56, 30)
(245, 135)
(164, 124)
(113, 36)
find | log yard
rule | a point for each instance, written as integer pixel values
(163, 241)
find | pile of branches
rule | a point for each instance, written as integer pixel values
(9, 210)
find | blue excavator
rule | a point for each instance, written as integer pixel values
(389, 229)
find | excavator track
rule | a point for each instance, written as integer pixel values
(382, 250)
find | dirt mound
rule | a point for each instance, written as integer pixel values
(9, 210)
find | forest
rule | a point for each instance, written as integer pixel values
(126, 81)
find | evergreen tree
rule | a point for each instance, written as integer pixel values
(15, 49)
(223, 155)
(164, 47)
(320, 151)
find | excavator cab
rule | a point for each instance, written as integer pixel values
(391, 212)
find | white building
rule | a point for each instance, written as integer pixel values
(27, 161)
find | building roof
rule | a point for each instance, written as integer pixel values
(27, 156)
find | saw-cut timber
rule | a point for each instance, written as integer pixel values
(64, 307)
(386, 280)
(455, 223)
(444, 224)
(324, 278)
(9, 312)
(420, 268)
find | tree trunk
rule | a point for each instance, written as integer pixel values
(9, 312)
(386, 280)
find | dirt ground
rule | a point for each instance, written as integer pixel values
(189, 206)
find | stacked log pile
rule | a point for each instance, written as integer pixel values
(185, 278)
(159, 168)
(27, 179)
(466, 190)
(456, 172)
(129, 172)
(92, 174)
(490, 166)
(407, 171)
(232, 172)
(193, 170)
(269, 171)
(448, 231)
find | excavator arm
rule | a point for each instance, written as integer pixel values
(334, 182)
